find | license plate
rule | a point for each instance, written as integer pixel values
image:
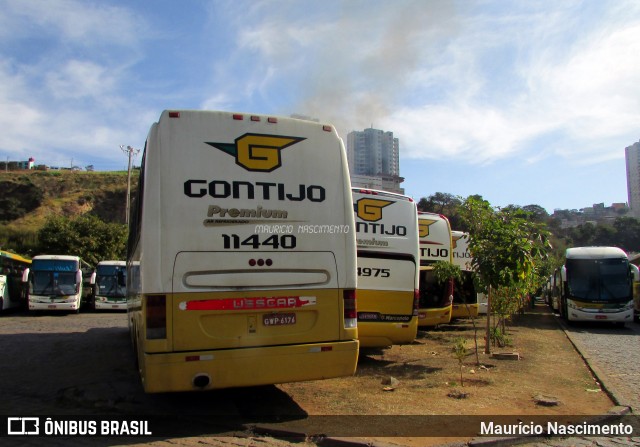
(278, 319)
(601, 317)
(51, 306)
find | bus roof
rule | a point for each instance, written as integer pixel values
(595, 253)
(13, 256)
(378, 192)
(57, 257)
(112, 263)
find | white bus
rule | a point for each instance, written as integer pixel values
(242, 253)
(55, 283)
(388, 267)
(597, 285)
(109, 286)
(465, 297)
(435, 245)
(636, 292)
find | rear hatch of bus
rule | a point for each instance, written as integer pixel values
(284, 302)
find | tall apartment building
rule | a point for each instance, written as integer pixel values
(632, 157)
(374, 160)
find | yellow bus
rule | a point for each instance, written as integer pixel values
(465, 297)
(241, 265)
(388, 263)
(13, 291)
(436, 299)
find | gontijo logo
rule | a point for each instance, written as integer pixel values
(423, 226)
(370, 209)
(455, 239)
(257, 152)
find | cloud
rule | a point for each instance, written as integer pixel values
(482, 82)
(80, 22)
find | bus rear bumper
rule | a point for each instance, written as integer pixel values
(206, 370)
(462, 311)
(382, 334)
(434, 317)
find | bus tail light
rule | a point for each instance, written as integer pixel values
(350, 313)
(156, 317)
(416, 302)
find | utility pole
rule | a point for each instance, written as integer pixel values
(131, 152)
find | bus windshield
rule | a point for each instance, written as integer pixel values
(598, 279)
(111, 281)
(54, 283)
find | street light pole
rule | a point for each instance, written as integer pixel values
(131, 152)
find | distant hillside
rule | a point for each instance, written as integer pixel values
(28, 198)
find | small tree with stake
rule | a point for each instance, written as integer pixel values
(507, 248)
(460, 352)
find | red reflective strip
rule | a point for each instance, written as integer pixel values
(276, 302)
(174, 114)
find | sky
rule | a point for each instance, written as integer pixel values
(522, 102)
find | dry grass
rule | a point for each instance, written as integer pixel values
(428, 372)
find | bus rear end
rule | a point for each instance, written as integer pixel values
(245, 254)
(465, 297)
(388, 260)
(436, 299)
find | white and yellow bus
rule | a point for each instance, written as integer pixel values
(436, 299)
(597, 285)
(110, 286)
(12, 289)
(465, 297)
(55, 283)
(388, 267)
(242, 253)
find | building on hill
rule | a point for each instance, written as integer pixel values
(596, 214)
(18, 165)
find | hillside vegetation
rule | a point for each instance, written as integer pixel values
(29, 198)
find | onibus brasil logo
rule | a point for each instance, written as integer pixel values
(258, 152)
(370, 209)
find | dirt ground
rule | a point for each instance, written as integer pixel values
(428, 372)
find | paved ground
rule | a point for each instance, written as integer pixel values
(56, 364)
(615, 355)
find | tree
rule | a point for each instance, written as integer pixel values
(86, 236)
(446, 204)
(507, 249)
